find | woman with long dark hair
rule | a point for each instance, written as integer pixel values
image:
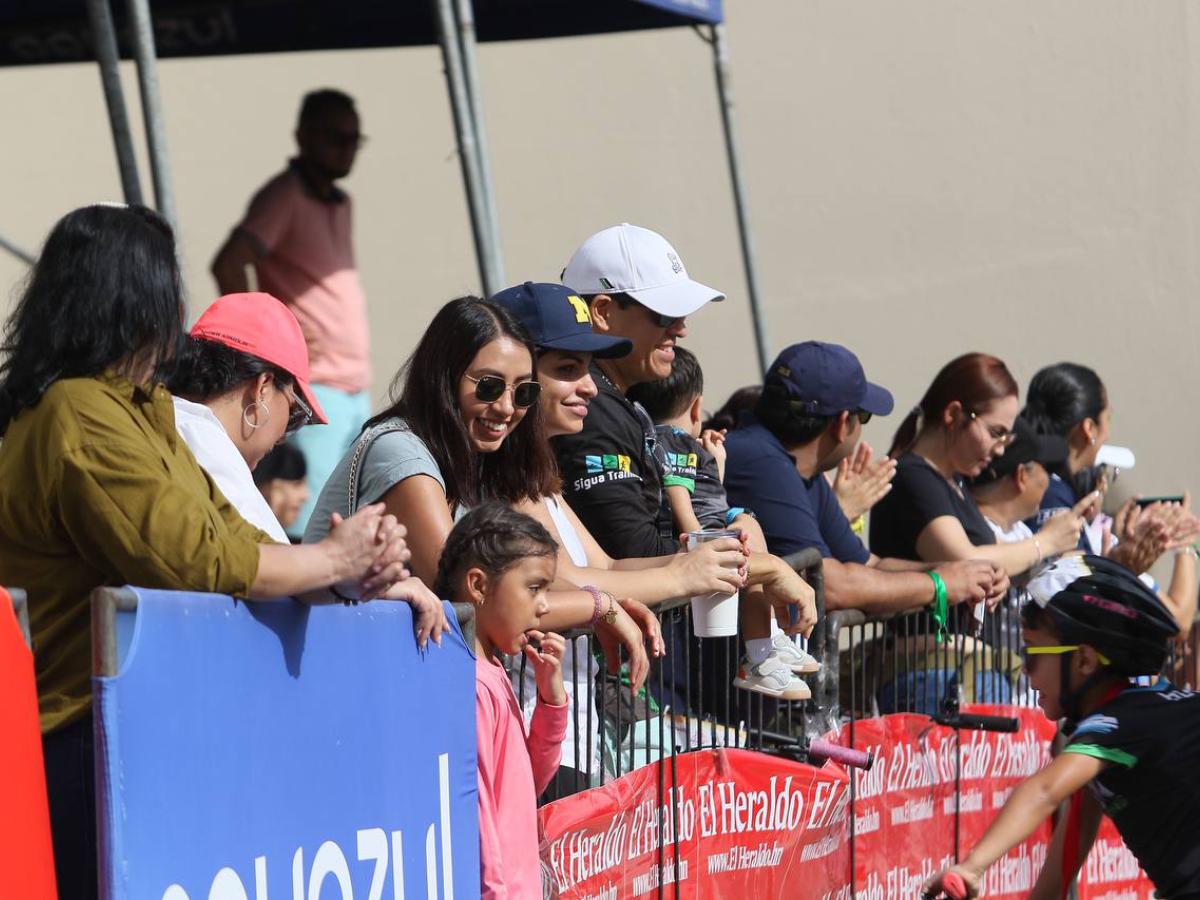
(464, 426)
(963, 423)
(97, 489)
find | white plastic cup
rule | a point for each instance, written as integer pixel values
(713, 615)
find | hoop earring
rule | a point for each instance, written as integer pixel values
(254, 426)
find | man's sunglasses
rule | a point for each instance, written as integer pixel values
(491, 388)
(659, 319)
(299, 412)
(863, 416)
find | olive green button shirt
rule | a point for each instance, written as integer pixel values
(97, 488)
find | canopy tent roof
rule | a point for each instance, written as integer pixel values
(56, 31)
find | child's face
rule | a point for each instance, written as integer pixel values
(1044, 671)
(515, 602)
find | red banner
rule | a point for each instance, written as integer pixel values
(746, 823)
(1111, 871)
(26, 857)
(754, 825)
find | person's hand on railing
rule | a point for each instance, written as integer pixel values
(367, 552)
(624, 632)
(861, 483)
(1000, 585)
(967, 580)
(785, 588)
(648, 622)
(429, 615)
(713, 568)
(545, 651)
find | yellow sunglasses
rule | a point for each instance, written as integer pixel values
(1027, 652)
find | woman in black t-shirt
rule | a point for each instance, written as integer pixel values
(964, 422)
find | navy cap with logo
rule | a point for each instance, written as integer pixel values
(1028, 446)
(558, 319)
(827, 379)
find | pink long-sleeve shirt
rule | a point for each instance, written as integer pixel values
(513, 770)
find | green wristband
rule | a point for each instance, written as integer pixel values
(940, 609)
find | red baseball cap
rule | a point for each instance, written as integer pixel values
(259, 324)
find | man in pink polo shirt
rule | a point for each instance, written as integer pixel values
(296, 235)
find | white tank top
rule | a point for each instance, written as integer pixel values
(567, 535)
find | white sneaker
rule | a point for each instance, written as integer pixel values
(797, 660)
(772, 677)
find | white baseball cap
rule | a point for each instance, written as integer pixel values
(626, 259)
(1112, 455)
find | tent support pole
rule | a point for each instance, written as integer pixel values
(465, 133)
(467, 42)
(105, 38)
(152, 114)
(17, 251)
(720, 49)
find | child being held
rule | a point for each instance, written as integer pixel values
(1090, 630)
(502, 562)
(693, 465)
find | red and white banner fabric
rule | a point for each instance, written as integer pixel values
(734, 824)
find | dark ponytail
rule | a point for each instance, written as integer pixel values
(1063, 395)
(973, 379)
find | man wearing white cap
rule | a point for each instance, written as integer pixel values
(635, 286)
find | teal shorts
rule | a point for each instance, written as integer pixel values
(323, 446)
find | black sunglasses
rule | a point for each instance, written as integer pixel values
(863, 416)
(299, 412)
(659, 319)
(490, 388)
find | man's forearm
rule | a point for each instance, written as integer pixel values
(865, 588)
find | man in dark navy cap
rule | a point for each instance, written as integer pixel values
(809, 418)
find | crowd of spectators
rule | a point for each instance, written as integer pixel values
(542, 457)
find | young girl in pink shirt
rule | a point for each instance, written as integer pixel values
(502, 562)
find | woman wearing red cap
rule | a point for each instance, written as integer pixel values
(97, 489)
(241, 386)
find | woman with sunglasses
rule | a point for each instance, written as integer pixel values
(241, 387)
(963, 423)
(465, 426)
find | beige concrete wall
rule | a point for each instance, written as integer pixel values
(925, 178)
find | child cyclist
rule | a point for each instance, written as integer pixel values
(502, 561)
(1091, 628)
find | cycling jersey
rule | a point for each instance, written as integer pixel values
(1150, 736)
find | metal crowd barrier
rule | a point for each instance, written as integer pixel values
(688, 702)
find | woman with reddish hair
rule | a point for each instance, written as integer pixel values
(964, 422)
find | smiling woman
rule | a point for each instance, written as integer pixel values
(453, 435)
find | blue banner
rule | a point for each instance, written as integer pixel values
(248, 751)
